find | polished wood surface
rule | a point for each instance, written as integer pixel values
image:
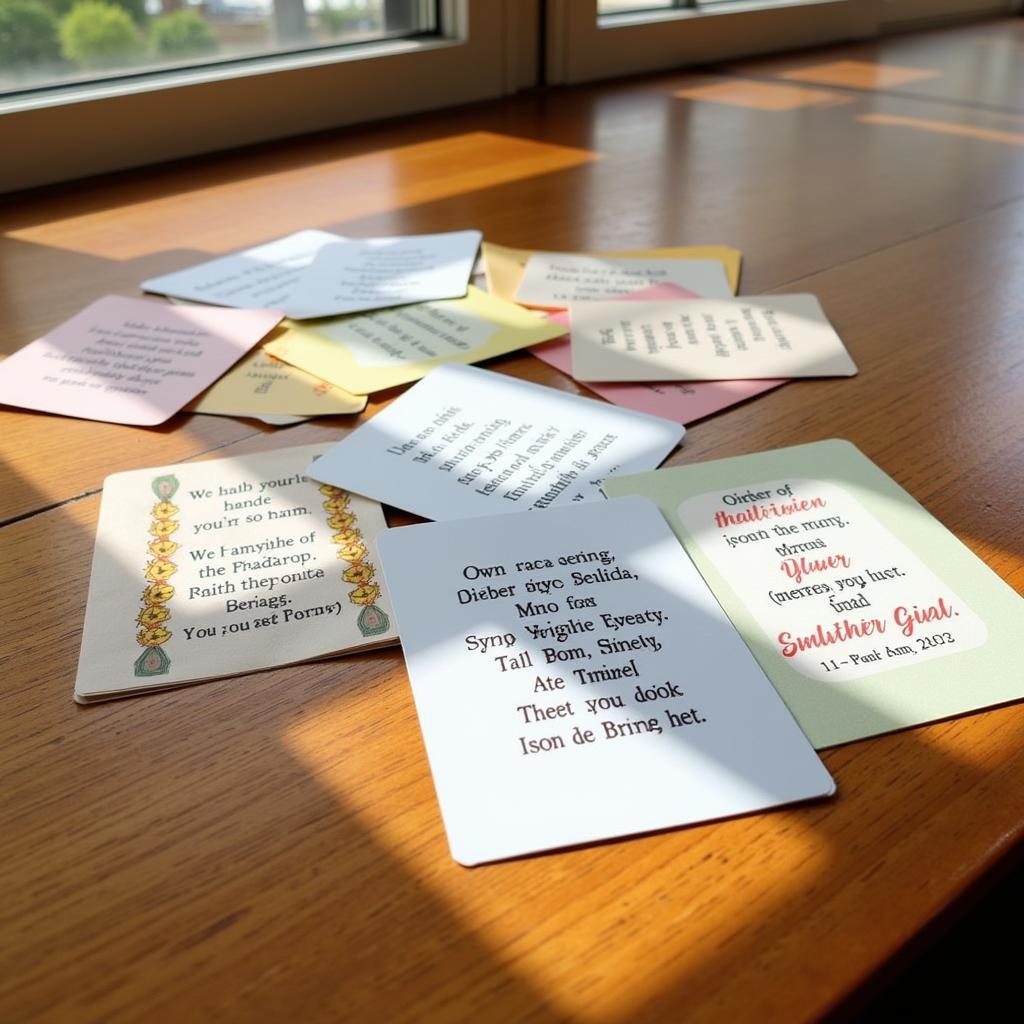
(269, 847)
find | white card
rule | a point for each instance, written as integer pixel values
(259, 278)
(747, 338)
(580, 682)
(373, 273)
(469, 442)
(553, 280)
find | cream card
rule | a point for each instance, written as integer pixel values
(261, 386)
(259, 278)
(217, 568)
(130, 360)
(371, 273)
(866, 613)
(389, 347)
(579, 682)
(556, 280)
(504, 266)
(746, 338)
(469, 442)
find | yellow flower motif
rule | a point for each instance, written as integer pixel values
(330, 490)
(153, 637)
(358, 573)
(163, 528)
(158, 593)
(341, 520)
(352, 552)
(337, 504)
(160, 570)
(153, 615)
(164, 510)
(364, 595)
(347, 537)
(163, 548)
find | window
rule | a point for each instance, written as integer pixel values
(54, 42)
(122, 118)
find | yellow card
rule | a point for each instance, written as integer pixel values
(260, 385)
(374, 351)
(504, 266)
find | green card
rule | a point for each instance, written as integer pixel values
(865, 612)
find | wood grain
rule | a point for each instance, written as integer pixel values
(269, 847)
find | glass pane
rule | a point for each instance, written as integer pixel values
(58, 42)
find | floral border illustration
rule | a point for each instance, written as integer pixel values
(351, 547)
(154, 616)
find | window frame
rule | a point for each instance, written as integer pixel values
(484, 49)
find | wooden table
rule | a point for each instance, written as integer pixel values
(269, 847)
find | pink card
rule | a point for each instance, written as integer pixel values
(130, 360)
(672, 400)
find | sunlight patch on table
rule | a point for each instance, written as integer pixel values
(859, 74)
(762, 95)
(239, 213)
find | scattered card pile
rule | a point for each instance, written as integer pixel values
(661, 647)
